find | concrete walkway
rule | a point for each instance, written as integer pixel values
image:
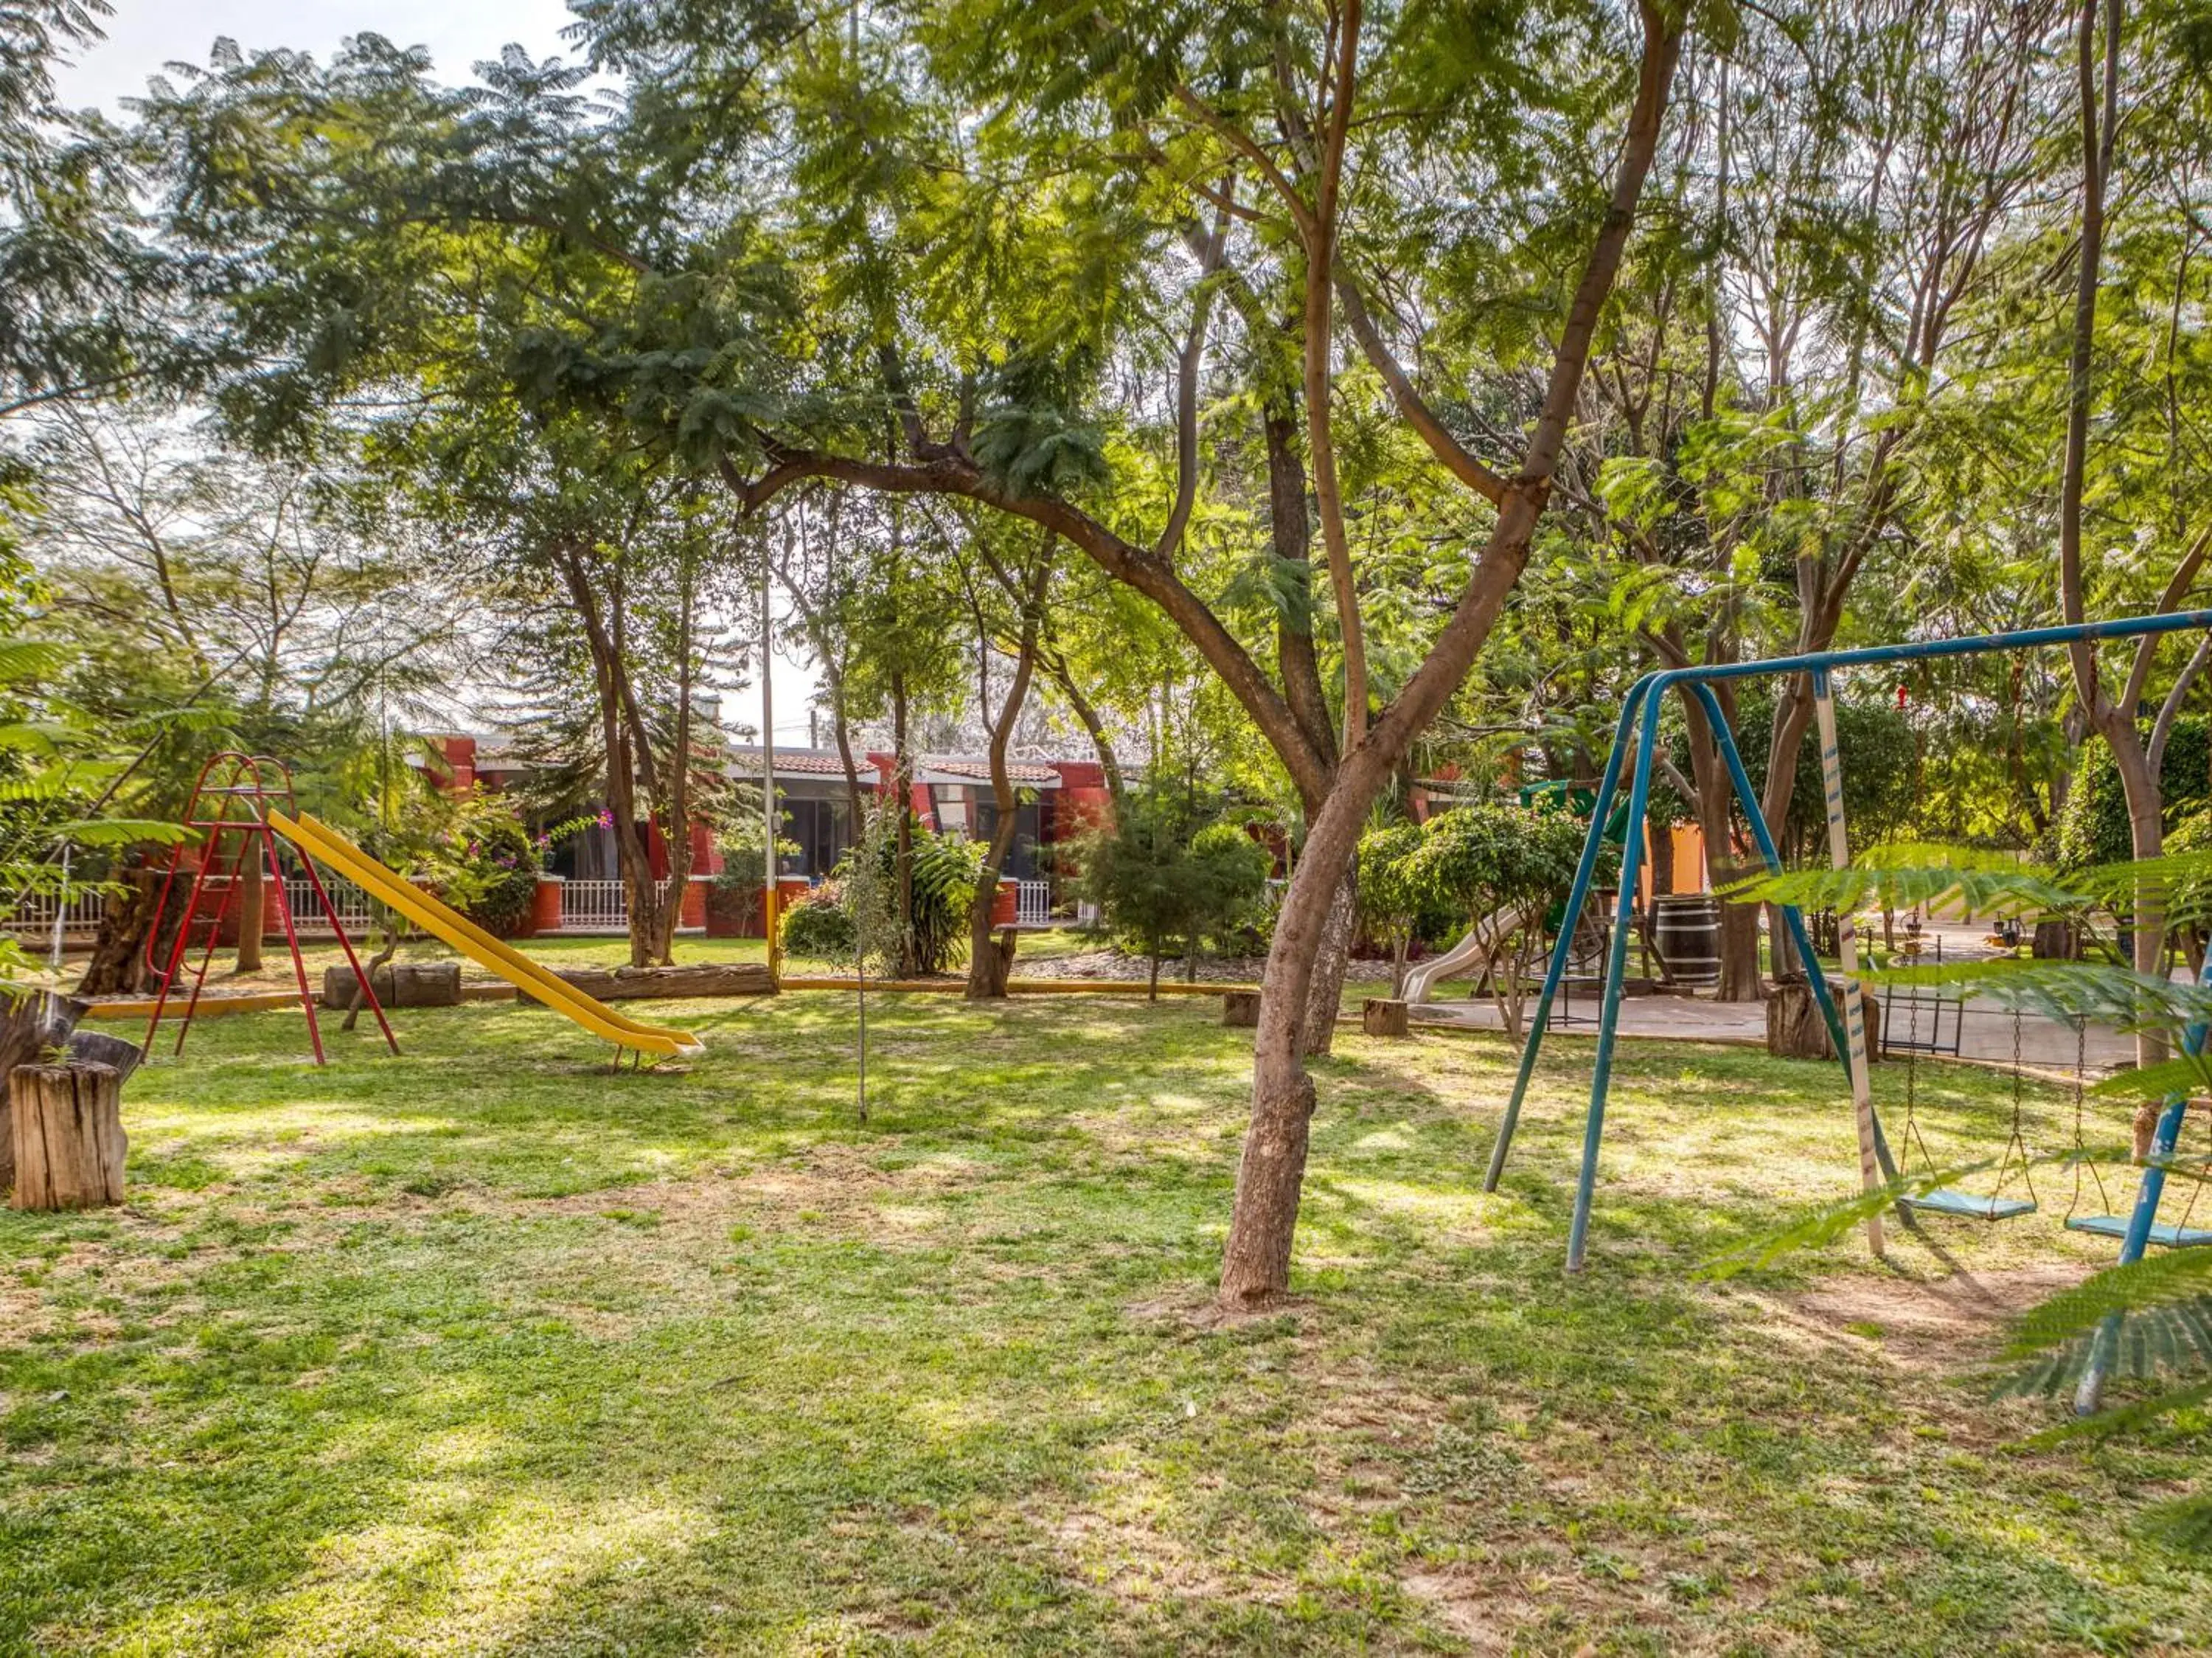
(1985, 1033)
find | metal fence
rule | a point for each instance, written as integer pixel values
(355, 912)
(601, 906)
(1033, 904)
(594, 906)
(34, 917)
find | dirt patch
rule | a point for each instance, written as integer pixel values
(1940, 1326)
(1484, 1609)
(1203, 1313)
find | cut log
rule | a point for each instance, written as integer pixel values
(98, 1048)
(399, 984)
(31, 1026)
(1241, 1008)
(1795, 1028)
(1381, 1016)
(67, 1126)
(656, 984)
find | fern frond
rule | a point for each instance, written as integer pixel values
(2065, 990)
(2154, 1281)
(126, 832)
(1910, 877)
(23, 660)
(2125, 1418)
(1826, 1225)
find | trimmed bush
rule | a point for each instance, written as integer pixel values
(817, 926)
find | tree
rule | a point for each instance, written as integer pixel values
(1393, 904)
(1504, 868)
(1165, 877)
(1007, 590)
(923, 363)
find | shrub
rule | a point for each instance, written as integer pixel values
(1396, 907)
(486, 865)
(1232, 875)
(2093, 826)
(819, 926)
(945, 868)
(1163, 881)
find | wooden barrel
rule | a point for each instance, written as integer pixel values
(1687, 927)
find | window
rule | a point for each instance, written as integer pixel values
(822, 829)
(1021, 863)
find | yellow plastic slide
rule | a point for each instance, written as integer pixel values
(319, 841)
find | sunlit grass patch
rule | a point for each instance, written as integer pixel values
(484, 1348)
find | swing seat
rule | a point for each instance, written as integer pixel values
(2167, 1235)
(1970, 1205)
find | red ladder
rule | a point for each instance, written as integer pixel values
(229, 807)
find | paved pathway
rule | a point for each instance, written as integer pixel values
(1985, 1033)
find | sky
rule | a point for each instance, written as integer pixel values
(144, 35)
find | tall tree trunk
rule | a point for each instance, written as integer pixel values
(1256, 1261)
(990, 962)
(1325, 995)
(2114, 720)
(250, 884)
(676, 810)
(1289, 532)
(901, 802)
(1056, 664)
(841, 726)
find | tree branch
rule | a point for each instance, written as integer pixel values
(1448, 449)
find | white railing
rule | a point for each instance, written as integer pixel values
(602, 906)
(34, 917)
(594, 906)
(1033, 904)
(355, 913)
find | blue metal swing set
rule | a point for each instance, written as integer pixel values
(1637, 731)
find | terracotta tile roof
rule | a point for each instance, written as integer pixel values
(817, 762)
(963, 766)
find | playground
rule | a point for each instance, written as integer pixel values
(482, 1349)
(1340, 827)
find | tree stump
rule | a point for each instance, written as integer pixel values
(1381, 1016)
(31, 1027)
(399, 984)
(1240, 1008)
(2055, 941)
(1795, 1028)
(68, 1133)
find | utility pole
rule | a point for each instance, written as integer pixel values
(768, 772)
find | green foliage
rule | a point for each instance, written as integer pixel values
(488, 865)
(1163, 878)
(818, 925)
(1477, 859)
(473, 850)
(2093, 828)
(59, 770)
(1393, 904)
(742, 868)
(944, 885)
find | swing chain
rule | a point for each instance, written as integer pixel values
(2017, 1140)
(2081, 1159)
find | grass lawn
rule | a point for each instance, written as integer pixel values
(1037, 949)
(484, 1349)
